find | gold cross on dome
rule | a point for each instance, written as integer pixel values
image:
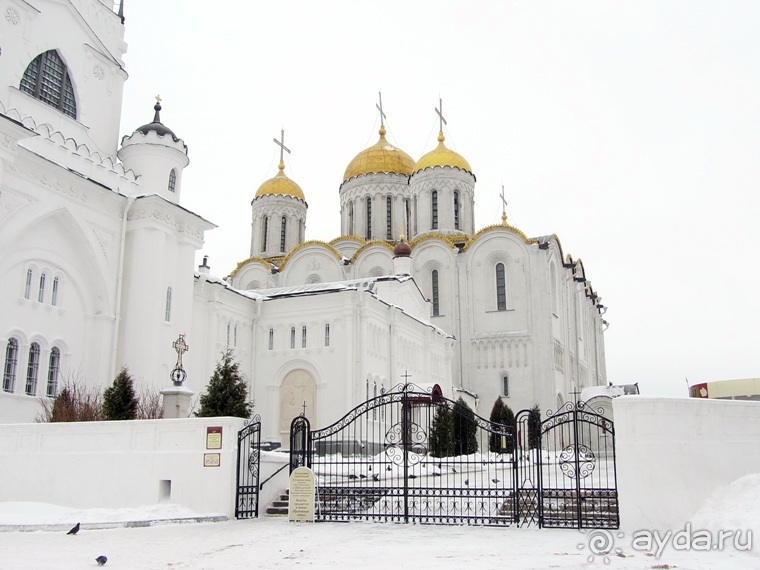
(503, 205)
(281, 144)
(158, 99)
(380, 108)
(439, 112)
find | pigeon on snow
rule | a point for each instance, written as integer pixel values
(101, 560)
(74, 530)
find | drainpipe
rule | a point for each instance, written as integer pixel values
(119, 278)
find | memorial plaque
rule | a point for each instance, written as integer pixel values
(212, 459)
(301, 506)
(214, 437)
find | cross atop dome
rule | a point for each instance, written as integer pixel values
(283, 148)
(439, 112)
(382, 114)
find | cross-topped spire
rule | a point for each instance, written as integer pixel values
(281, 144)
(158, 99)
(439, 112)
(304, 409)
(380, 108)
(503, 206)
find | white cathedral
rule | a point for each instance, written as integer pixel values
(97, 260)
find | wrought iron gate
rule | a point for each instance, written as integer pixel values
(248, 463)
(410, 455)
(565, 469)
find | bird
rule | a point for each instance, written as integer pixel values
(375, 477)
(388, 468)
(467, 482)
(74, 530)
(352, 476)
(101, 560)
(495, 480)
(362, 476)
(453, 470)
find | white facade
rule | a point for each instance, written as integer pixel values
(96, 261)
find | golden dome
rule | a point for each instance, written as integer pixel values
(380, 157)
(442, 156)
(280, 184)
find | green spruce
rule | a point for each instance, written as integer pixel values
(119, 400)
(226, 393)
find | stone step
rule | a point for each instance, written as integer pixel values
(280, 504)
(277, 510)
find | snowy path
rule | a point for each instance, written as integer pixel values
(275, 543)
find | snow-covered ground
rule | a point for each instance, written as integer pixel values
(276, 543)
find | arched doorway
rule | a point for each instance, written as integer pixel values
(298, 394)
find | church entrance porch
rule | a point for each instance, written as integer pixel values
(411, 455)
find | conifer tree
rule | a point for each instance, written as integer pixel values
(465, 429)
(502, 415)
(442, 432)
(226, 393)
(120, 400)
(534, 427)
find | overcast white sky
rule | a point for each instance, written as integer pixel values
(631, 130)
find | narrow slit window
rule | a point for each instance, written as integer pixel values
(501, 289)
(350, 218)
(408, 207)
(54, 299)
(54, 367)
(303, 336)
(168, 307)
(32, 370)
(11, 360)
(436, 305)
(172, 180)
(283, 226)
(505, 386)
(292, 337)
(327, 335)
(41, 293)
(271, 339)
(369, 219)
(456, 210)
(434, 213)
(388, 218)
(229, 327)
(264, 231)
(28, 285)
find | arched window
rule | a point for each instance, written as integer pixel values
(436, 306)
(505, 386)
(11, 359)
(456, 210)
(32, 369)
(303, 336)
(54, 299)
(283, 225)
(407, 205)
(271, 338)
(41, 293)
(350, 218)
(292, 337)
(369, 218)
(28, 285)
(54, 366)
(172, 180)
(234, 336)
(501, 289)
(264, 232)
(229, 326)
(434, 212)
(388, 218)
(168, 308)
(47, 79)
(327, 335)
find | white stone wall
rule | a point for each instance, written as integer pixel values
(120, 464)
(674, 453)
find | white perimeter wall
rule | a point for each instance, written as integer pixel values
(119, 464)
(673, 453)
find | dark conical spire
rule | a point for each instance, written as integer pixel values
(157, 109)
